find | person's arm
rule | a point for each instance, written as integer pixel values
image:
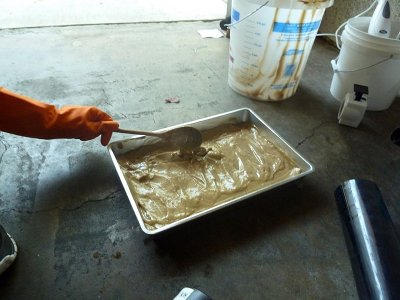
(24, 116)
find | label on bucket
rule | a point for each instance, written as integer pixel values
(296, 27)
(296, 31)
(235, 15)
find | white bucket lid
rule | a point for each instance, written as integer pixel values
(356, 31)
(294, 4)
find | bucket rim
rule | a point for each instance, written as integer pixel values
(351, 24)
(295, 4)
(354, 34)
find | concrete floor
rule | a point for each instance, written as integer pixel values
(64, 204)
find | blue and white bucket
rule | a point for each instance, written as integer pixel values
(270, 42)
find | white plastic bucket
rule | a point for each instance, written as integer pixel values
(368, 60)
(270, 44)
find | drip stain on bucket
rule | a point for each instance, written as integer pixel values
(270, 45)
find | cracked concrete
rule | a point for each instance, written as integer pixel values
(106, 198)
(63, 202)
(313, 130)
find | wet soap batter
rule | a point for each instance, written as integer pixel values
(168, 186)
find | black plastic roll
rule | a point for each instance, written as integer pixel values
(373, 244)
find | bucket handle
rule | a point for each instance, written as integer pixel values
(249, 15)
(336, 68)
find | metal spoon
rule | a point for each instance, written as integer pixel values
(187, 138)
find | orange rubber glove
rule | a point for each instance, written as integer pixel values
(24, 116)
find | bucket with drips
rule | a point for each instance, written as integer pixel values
(270, 42)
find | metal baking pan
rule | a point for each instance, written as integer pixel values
(237, 116)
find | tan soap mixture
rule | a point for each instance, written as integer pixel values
(168, 186)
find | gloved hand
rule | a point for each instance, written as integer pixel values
(27, 117)
(84, 123)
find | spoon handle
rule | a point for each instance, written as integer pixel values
(149, 133)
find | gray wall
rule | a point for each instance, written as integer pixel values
(345, 9)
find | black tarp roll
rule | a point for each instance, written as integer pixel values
(373, 244)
